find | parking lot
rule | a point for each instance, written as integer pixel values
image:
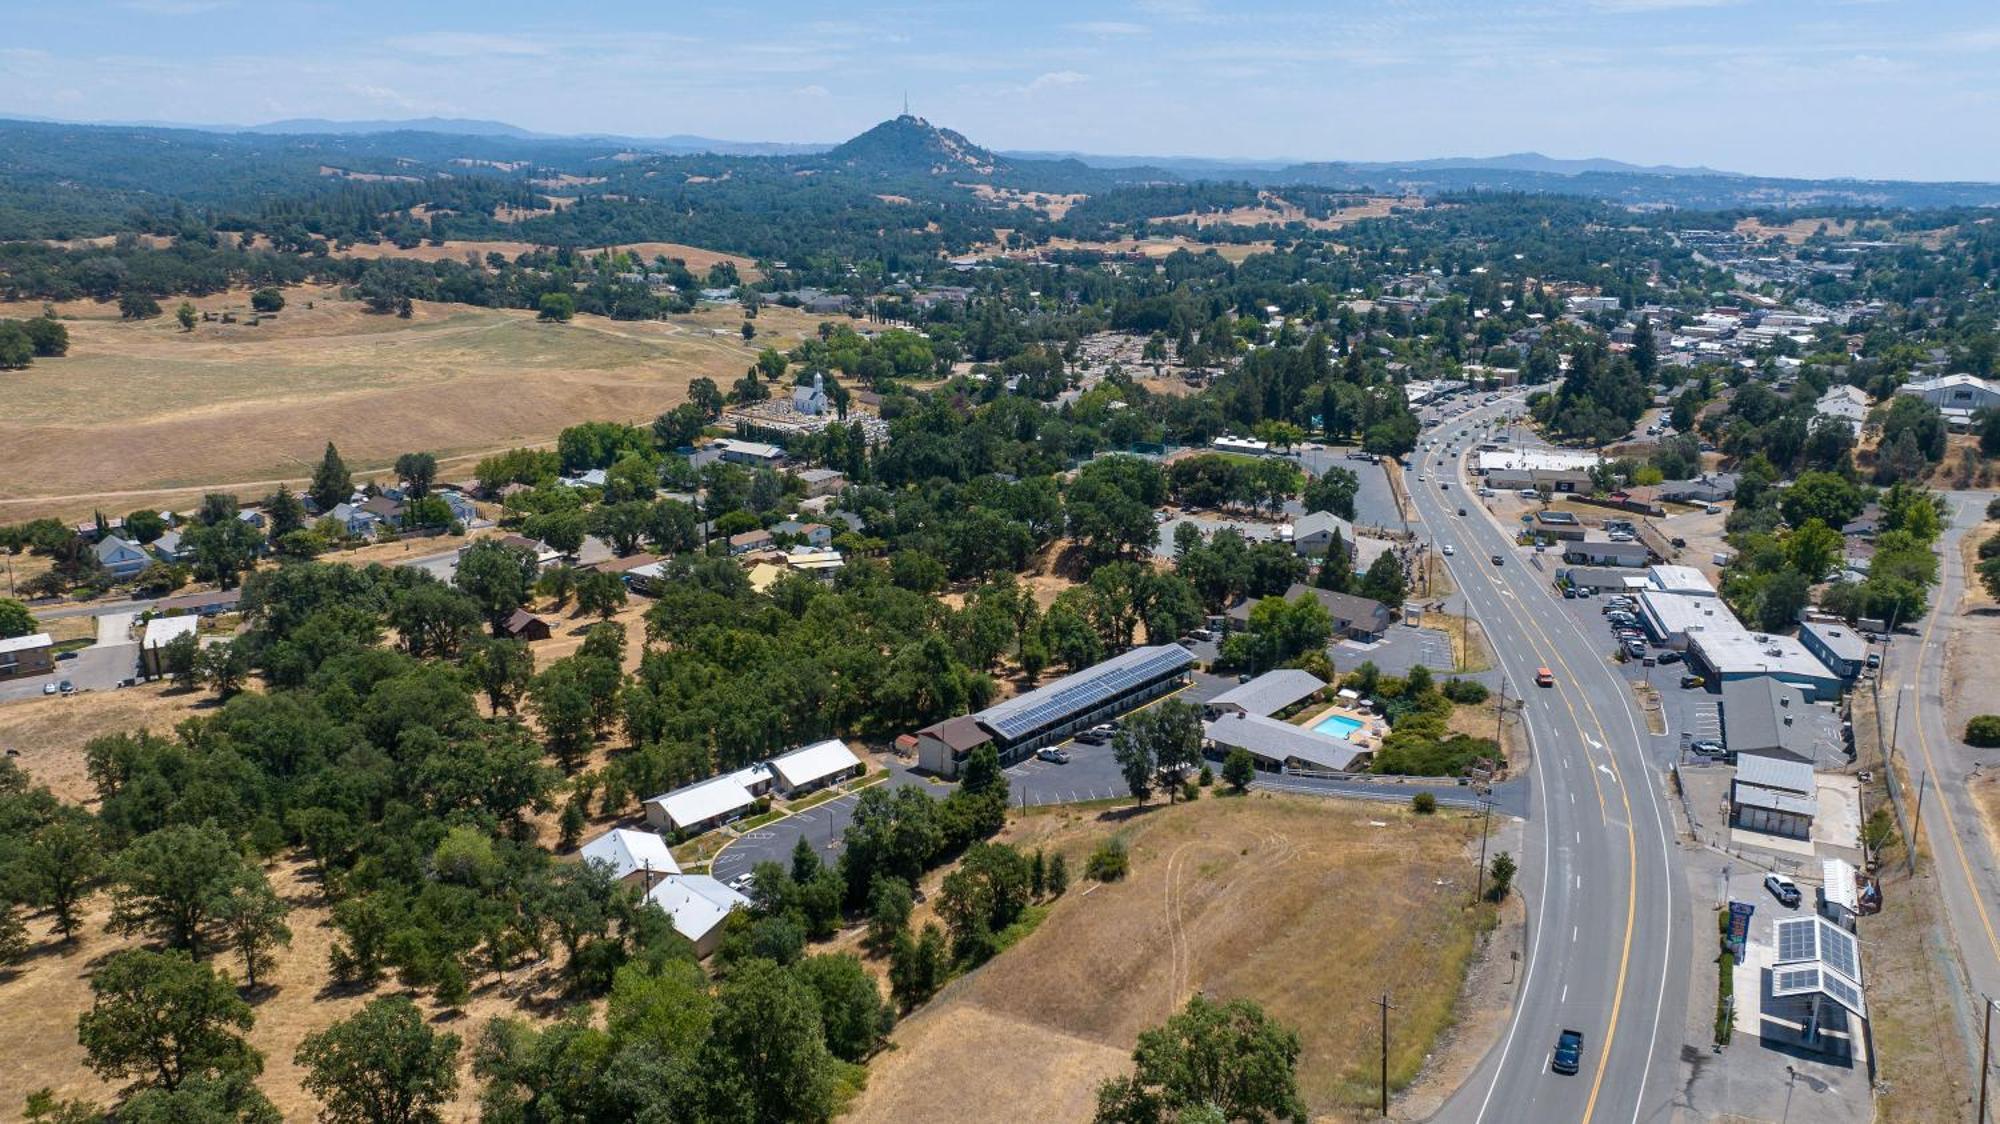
(1399, 650)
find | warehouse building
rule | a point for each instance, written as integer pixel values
(1837, 646)
(1773, 795)
(1051, 713)
(1672, 619)
(1726, 655)
(1769, 718)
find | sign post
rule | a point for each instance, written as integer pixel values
(1739, 926)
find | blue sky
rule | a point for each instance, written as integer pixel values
(1877, 88)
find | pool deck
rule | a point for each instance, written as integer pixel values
(1370, 733)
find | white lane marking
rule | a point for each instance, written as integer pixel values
(1572, 934)
(1572, 797)
(1606, 770)
(1565, 994)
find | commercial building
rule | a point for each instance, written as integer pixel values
(1282, 747)
(1267, 694)
(1764, 717)
(1817, 960)
(1773, 795)
(698, 905)
(1839, 647)
(814, 767)
(631, 856)
(1353, 617)
(1735, 654)
(1673, 618)
(1603, 579)
(1245, 446)
(34, 654)
(749, 452)
(1957, 397)
(698, 807)
(1607, 552)
(1048, 714)
(1685, 580)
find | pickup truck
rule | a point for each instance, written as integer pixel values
(1569, 1052)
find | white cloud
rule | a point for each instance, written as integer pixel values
(813, 91)
(1055, 79)
(467, 44)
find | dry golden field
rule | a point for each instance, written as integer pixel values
(1285, 900)
(143, 413)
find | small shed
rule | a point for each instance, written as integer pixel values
(524, 625)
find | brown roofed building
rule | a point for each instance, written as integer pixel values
(524, 625)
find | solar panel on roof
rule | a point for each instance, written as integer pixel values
(1844, 993)
(1837, 947)
(1794, 981)
(1798, 939)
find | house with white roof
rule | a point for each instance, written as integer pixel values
(161, 631)
(698, 905)
(632, 856)
(698, 807)
(1845, 403)
(815, 766)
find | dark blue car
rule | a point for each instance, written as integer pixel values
(1569, 1052)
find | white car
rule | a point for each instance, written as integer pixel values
(1448, 551)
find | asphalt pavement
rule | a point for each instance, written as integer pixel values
(1607, 936)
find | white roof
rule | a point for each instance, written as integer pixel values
(1775, 772)
(1537, 460)
(711, 798)
(1744, 653)
(1682, 579)
(626, 852)
(815, 762)
(696, 902)
(27, 643)
(1841, 890)
(750, 448)
(1677, 614)
(162, 630)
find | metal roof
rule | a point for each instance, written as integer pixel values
(698, 803)
(1079, 692)
(1281, 741)
(1838, 877)
(1775, 772)
(1271, 692)
(26, 643)
(696, 902)
(627, 852)
(1814, 954)
(1757, 796)
(1770, 714)
(814, 762)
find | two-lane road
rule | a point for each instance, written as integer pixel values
(1607, 926)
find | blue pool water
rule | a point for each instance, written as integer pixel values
(1337, 725)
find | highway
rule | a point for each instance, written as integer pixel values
(1608, 940)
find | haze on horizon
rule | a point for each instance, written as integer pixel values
(1818, 88)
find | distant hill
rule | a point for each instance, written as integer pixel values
(454, 126)
(910, 145)
(1536, 162)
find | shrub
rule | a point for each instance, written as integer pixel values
(1423, 803)
(1500, 877)
(1206, 776)
(1109, 862)
(1983, 731)
(1464, 691)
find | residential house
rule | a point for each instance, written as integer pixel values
(167, 548)
(1704, 489)
(697, 807)
(161, 631)
(354, 521)
(748, 541)
(822, 481)
(462, 508)
(121, 557)
(1355, 618)
(821, 564)
(750, 452)
(544, 553)
(523, 625)
(34, 654)
(1313, 533)
(812, 534)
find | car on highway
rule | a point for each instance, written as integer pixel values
(1461, 512)
(1783, 889)
(1544, 677)
(1692, 681)
(1568, 1056)
(1051, 753)
(1448, 551)
(1499, 561)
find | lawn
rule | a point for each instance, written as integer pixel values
(1285, 900)
(141, 412)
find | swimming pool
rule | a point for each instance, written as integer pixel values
(1337, 725)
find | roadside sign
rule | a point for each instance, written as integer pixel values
(1739, 925)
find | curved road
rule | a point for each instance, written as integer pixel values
(1608, 930)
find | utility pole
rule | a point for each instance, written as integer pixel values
(1917, 821)
(1985, 1053)
(1486, 818)
(1896, 725)
(1386, 1008)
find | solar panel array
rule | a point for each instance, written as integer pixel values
(1794, 981)
(1816, 955)
(1798, 939)
(1077, 694)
